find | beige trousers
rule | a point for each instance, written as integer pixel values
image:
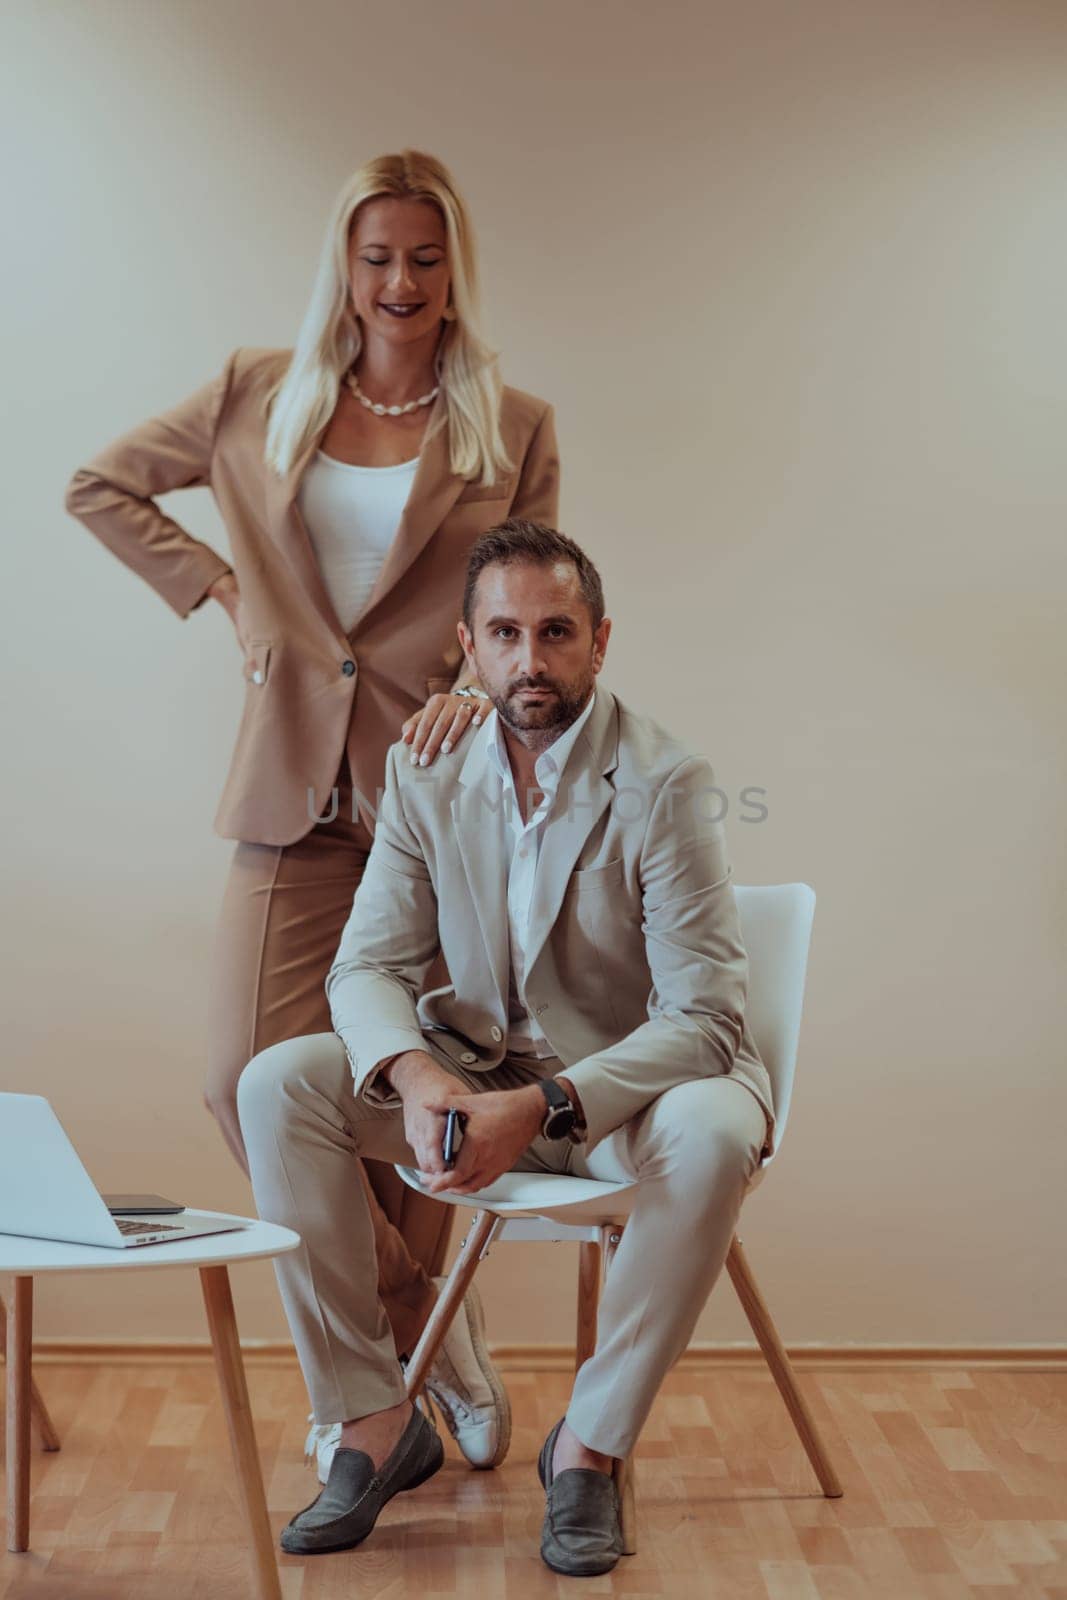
(278, 932)
(693, 1151)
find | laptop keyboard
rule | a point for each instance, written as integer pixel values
(127, 1225)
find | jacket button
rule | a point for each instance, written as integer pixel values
(495, 1033)
(468, 1058)
(348, 668)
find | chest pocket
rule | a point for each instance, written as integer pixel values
(590, 880)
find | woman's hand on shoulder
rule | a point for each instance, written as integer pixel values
(441, 724)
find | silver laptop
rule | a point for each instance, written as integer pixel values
(46, 1193)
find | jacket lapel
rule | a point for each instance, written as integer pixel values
(584, 793)
(290, 531)
(480, 832)
(480, 835)
(434, 491)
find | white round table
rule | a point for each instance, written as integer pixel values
(25, 1258)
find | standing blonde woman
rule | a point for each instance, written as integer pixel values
(354, 473)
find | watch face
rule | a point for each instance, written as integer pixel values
(559, 1122)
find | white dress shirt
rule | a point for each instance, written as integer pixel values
(352, 514)
(524, 1035)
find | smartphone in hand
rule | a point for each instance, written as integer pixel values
(454, 1126)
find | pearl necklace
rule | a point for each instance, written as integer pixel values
(389, 411)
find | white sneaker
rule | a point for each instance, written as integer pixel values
(320, 1444)
(466, 1388)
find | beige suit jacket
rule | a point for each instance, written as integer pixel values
(635, 967)
(310, 689)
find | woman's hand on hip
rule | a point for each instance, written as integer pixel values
(440, 725)
(228, 594)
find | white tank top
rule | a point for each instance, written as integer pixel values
(352, 514)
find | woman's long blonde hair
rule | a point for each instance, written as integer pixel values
(330, 339)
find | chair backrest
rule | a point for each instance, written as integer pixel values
(776, 922)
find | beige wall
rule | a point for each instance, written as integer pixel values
(793, 277)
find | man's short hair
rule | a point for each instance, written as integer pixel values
(535, 543)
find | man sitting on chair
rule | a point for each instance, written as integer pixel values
(571, 866)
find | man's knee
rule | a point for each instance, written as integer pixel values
(709, 1131)
(278, 1080)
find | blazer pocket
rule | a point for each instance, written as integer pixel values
(258, 663)
(503, 489)
(587, 878)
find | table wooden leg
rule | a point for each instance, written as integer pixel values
(231, 1373)
(39, 1413)
(19, 1345)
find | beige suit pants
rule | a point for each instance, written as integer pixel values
(278, 932)
(692, 1151)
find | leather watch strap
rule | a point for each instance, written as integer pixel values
(561, 1118)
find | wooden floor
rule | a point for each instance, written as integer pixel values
(955, 1486)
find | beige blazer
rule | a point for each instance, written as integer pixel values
(635, 967)
(310, 689)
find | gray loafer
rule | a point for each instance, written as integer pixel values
(581, 1535)
(348, 1507)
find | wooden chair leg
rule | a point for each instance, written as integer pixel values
(19, 1343)
(39, 1415)
(485, 1224)
(589, 1269)
(623, 1473)
(781, 1369)
(218, 1303)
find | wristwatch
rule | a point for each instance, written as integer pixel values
(469, 692)
(560, 1119)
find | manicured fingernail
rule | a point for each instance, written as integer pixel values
(414, 758)
(446, 746)
(424, 759)
(478, 720)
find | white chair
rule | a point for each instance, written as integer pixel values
(776, 927)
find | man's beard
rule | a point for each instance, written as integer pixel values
(552, 715)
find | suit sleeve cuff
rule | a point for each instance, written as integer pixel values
(368, 1051)
(203, 582)
(596, 1097)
